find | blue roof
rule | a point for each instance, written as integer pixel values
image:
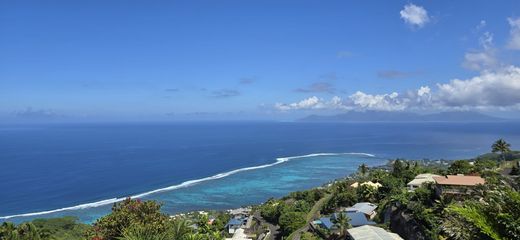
(326, 222)
(235, 221)
(356, 218)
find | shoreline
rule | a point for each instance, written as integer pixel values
(185, 184)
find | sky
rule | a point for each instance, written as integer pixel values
(255, 60)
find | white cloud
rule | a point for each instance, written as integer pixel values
(498, 89)
(313, 103)
(479, 60)
(414, 15)
(481, 25)
(491, 89)
(514, 41)
(378, 102)
(423, 91)
(483, 59)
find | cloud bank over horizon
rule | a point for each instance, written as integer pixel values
(490, 90)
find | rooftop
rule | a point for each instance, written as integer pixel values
(356, 218)
(364, 207)
(326, 222)
(423, 178)
(459, 180)
(372, 233)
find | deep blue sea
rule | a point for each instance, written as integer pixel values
(80, 169)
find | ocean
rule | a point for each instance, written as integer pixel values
(79, 170)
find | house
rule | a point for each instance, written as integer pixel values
(370, 232)
(325, 222)
(421, 179)
(457, 184)
(240, 212)
(239, 235)
(369, 209)
(369, 183)
(356, 218)
(234, 224)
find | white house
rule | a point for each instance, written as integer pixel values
(420, 179)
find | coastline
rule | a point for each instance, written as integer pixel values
(185, 184)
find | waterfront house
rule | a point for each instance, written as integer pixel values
(421, 179)
(457, 184)
(371, 232)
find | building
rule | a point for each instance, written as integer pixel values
(239, 235)
(356, 218)
(324, 222)
(234, 224)
(420, 179)
(457, 184)
(369, 209)
(369, 183)
(371, 233)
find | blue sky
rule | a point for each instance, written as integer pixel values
(137, 60)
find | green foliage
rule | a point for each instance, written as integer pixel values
(61, 228)
(485, 164)
(460, 167)
(291, 221)
(339, 199)
(308, 236)
(130, 213)
(24, 231)
(65, 228)
(343, 223)
(270, 210)
(502, 147)
(367, 193)
(139, 232)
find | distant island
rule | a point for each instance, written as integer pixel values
(385, 116)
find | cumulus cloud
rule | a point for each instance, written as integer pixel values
(379, 102)
(514, 40)
(415, 16)
(492, 89)
(313, 103)
(225, 93)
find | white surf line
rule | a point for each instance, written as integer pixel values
(182, 185)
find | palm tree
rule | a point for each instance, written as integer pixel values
(363, 169)
(502, 147)
(181, 228)
(343, 223)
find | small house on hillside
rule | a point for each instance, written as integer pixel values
(369, 209)
(234, 224)
(370, 232)
(421, 179)
(369, 183)
(457, 184)
(325, 222)
(356, 218)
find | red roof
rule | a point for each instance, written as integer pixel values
(459, 180)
